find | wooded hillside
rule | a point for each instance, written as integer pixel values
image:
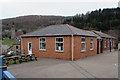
(106, 20)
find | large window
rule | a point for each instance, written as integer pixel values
(83, 44)
(42, 44)
(91, 44)
(59, 44)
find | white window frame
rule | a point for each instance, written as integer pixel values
(92, 44)
(104, 43)
(42, 42)
(59, 42)
(82, 43)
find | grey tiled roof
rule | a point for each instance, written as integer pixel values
(82, 32)
(103, 35)
(63, 29)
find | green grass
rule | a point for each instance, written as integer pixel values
(6, 42)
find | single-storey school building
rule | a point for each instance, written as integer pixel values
(61, 42)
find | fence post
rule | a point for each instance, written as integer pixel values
(2, 68)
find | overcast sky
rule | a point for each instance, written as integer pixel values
(14, 8)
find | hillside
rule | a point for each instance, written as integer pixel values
(30, 22)
(106, 20)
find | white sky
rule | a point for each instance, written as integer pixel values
(14, 8)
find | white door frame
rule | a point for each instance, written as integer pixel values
(29, 51)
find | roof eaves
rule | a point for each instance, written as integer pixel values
(103, 35)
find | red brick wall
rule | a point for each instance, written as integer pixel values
(50, 47)
(107, 48)
(77, 47)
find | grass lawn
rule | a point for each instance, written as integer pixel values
(6, 42)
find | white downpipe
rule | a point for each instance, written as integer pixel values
(72, 47)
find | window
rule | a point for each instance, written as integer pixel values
(59, 44)
(83, 44)
(16, 47)
(104, 43)
(91, 44)
(42, 44)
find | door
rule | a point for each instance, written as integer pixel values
(110, 45)
(98, 46)
(102, 46)
(30, 48)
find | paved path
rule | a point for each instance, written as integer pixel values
(98, 66)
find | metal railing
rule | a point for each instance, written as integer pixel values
(4, 74)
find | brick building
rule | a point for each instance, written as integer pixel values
(60, 41)
(105, 42)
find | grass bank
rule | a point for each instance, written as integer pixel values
(6, 42)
